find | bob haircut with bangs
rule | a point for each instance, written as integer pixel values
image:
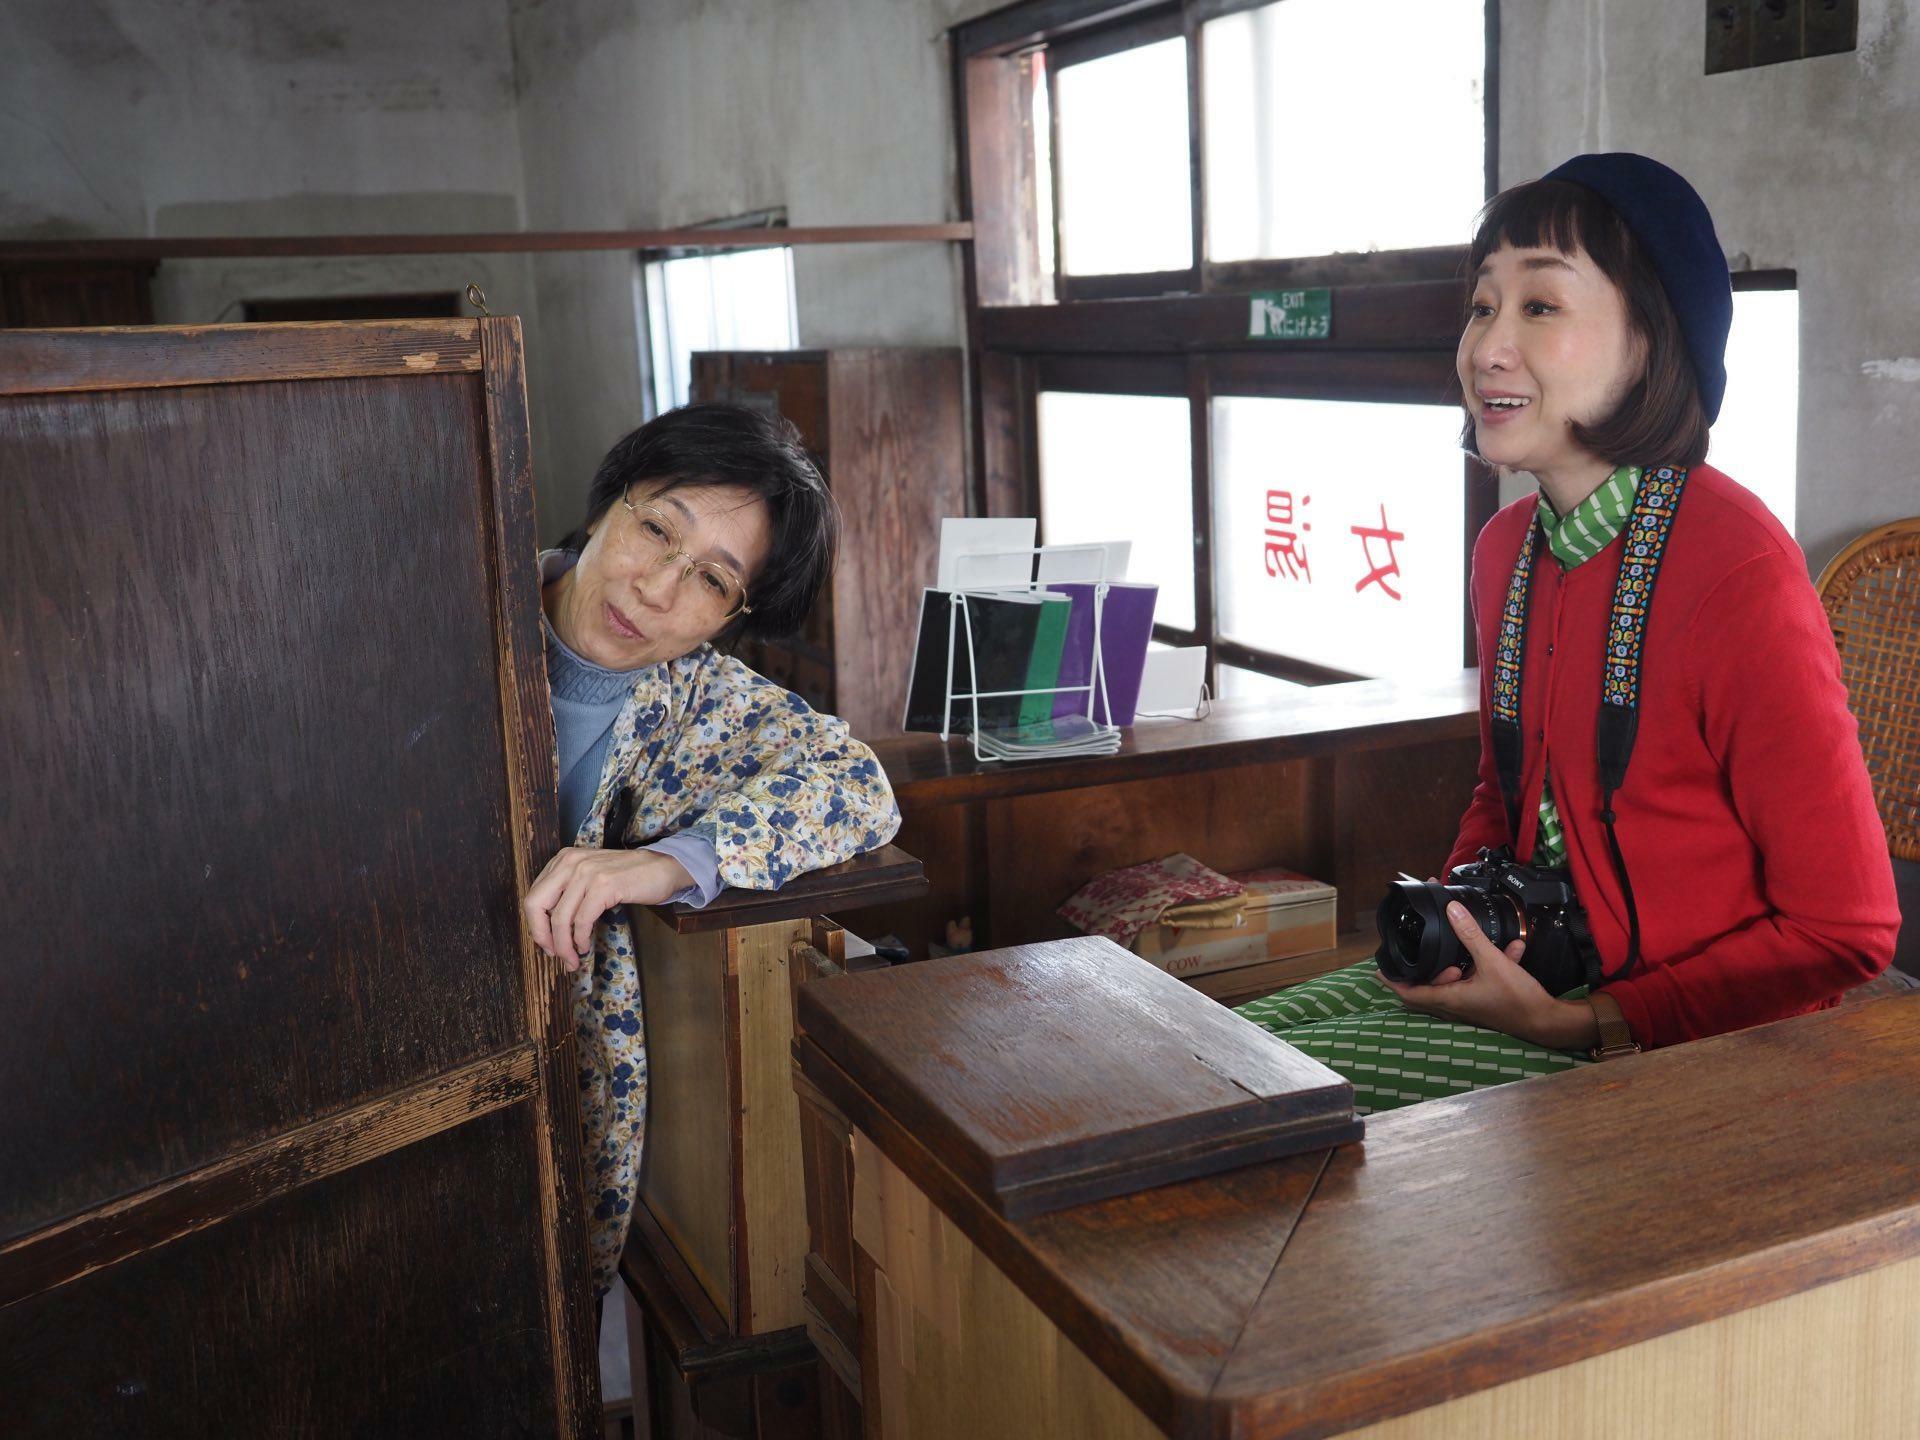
(697, 446)
(1660, 421)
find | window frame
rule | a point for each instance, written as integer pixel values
(773, 221)
(1397, 313)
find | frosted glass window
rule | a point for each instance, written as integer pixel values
(732, 300)
(1338, 533)
(1120, 467)
(1344, 125)
(1755, 437)
(1124, 168)
(1240, 684)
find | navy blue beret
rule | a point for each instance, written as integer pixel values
(1670, 220)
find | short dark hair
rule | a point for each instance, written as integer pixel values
(1660, 421)
(699, 446)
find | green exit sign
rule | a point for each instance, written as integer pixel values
(1290, 315)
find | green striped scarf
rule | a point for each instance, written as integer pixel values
(1583, 533)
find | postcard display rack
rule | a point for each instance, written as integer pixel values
(1097, 737)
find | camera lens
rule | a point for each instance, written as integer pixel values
(1414, 934)
(1416, 938)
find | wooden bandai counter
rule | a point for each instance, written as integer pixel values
(1717, 1239)
(1349, 783)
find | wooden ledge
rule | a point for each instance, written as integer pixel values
(142, 357)
(879, 878)
(1328, 719)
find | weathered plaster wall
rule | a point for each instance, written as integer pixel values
(225, 117)
(196, 116)
(1812, 166)
(178, 117)
(674, 112)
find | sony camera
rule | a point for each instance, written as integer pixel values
(1509, 901)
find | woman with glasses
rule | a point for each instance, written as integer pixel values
(681, 770)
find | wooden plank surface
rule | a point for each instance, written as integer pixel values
(1051, 1074)
(1539, 1223)
(248, 1178)
(771, 1251)
(897, 469)
(526, 725)
(1359, 715)
(881, 877)
(277, 780)
(1154, 1287)
(687, 1171)
(275, 830)
(399, 1297)
(46, 362)
(1832, 1361)
(1734, 1172)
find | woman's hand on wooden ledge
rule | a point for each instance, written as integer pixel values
(1500, 995)
(582, 883)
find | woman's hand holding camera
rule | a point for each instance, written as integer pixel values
(582, 883)
(1499, 994)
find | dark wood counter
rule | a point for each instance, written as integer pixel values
(1467, 1244)
(1349, 783)
(1360, 715)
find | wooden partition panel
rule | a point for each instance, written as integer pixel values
(279, 767)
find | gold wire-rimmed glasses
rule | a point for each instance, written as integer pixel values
(717, 596)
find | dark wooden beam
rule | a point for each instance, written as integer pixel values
(510, 242)
(1424, 315)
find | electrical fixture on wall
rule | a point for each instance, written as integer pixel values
(1745, 33)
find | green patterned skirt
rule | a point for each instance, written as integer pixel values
(1357, 1027)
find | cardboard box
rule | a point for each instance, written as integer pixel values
(1286, 914)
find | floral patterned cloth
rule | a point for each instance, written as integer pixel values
(1122, 903)
(705, 745)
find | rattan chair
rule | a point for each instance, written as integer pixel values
(1871, 591)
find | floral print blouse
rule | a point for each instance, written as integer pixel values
(704, 745)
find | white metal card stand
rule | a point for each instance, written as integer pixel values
(960, 619)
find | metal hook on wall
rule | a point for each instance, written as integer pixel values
(477, 298)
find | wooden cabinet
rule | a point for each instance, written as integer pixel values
(715, 1260)
(885, 427)
(289, 1132)
(62, 294)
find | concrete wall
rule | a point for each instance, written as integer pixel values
(1812, 166)
(675, 112)
(194, 117)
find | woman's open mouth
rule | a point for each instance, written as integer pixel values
(1499, 409)
(621, 626)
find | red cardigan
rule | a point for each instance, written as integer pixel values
(1758, 861)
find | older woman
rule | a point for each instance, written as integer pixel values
(1735, 872)
(705, 524)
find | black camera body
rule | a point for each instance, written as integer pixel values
(1509, 901)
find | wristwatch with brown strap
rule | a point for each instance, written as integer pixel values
(1615, 1038)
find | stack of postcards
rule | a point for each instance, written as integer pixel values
(1061, 736)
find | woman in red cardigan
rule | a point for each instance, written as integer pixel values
(1750, 849)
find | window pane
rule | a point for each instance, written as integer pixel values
(1125, 197)
(735, 300)
(1338, 126)
(1759, 426)
(1239, 684)
(1338, 532)
(1120, 467)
